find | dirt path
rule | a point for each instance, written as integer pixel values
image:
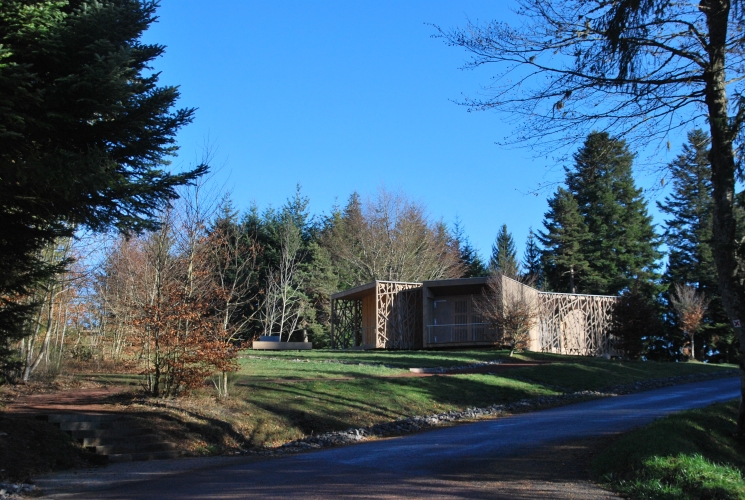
(92, 400)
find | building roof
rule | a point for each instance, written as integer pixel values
(364, 290)
(456, 286)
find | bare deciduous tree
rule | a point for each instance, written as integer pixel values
(513, 307)
(691, 307)
(284, 302)
(391, 238)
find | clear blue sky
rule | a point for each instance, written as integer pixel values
(347, 95)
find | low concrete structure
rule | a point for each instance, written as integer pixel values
(273, 345)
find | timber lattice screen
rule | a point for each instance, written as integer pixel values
(576, 324)
(399, 315)
(346, 318)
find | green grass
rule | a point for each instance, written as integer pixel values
(287, 398)
(574, 373)
(278, 396)
(398, 359)
(690, 455)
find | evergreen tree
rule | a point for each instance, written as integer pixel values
(564, 262)
(504, 255)
(688, 234)
(532, 260)
(469, 257)
(85, 133)
(688, 230)
(623, 246)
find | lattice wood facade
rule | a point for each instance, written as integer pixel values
(346, 323)
(395, 315)
(383, 315)
(576, 324)
(399, 315)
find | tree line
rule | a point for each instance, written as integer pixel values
(87, 134)
(598, 238)
(183, 298)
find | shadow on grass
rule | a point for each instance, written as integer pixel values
(321, 407)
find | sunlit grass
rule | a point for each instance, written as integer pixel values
(690, 455)
(278, 396)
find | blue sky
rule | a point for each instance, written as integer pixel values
(343, 96)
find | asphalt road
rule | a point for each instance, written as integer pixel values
(453, 462)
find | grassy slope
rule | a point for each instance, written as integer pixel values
(688, 455)
(280, 396)
(285, 400)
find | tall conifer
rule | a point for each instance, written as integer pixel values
(504, 255)
(688, 232)
(564, 262)
(689, 206)
(623, 246)
(532, 260)
(469, 257)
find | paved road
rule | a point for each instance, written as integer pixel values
(454, 462)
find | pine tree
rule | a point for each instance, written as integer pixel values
(623, 246)
(504, 255)
(688, 234)
(688, 231)
(565, 265)
(532, 260)
(469, 256)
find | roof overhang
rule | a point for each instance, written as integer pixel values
(457, 286)
(361, 291)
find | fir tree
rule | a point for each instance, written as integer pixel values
(623, 245)
(688, 234)
(469, 256)
(504, 255)
(688, 231)
(86, 133)
(564, 262)
(532, 260)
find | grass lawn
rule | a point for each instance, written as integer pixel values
(689, 455)
(292, 394)
(279, 396)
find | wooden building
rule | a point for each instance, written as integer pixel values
(445, 313)
(377, 315)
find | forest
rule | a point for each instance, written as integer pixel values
(179, 301)
(109, 257)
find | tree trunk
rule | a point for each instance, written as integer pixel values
(693, 348)
(571, 280)
(723, 179)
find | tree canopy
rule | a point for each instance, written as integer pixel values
(389, 237)
(622, 247)
(599, 238)
(635, 68)
(504, 255)
(85, 130)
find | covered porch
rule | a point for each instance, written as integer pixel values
(377, 315)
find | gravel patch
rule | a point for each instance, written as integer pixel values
(12, 491)
(306, 360)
